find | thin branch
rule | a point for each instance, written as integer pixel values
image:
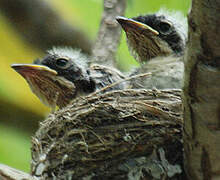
(108, 37)
(9, 173)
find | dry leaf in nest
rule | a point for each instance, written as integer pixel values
(111, 135)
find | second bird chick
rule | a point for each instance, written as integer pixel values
(64, 74)
(158, 42)
(155, 35)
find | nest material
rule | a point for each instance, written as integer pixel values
(129, 134)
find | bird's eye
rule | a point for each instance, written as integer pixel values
(62, 62)
(164, 27)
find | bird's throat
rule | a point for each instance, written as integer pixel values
(52, 91)
(145, 47)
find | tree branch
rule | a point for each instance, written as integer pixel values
(107, 41)
(8, 173)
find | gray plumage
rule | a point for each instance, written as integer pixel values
(159, 47)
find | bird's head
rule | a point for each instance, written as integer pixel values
(155, 35)
(59, 77)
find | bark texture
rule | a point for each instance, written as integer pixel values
(202, 92)
(41, 26)
(107, 41)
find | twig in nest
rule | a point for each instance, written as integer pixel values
(118, 82)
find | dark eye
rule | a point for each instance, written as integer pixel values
(164, 27)
(62, 62)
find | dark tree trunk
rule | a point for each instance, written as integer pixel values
(202, 92)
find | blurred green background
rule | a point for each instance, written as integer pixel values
(18, 106)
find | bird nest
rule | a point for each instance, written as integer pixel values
(118, 134)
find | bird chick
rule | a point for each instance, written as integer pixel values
(157, 41)
(155, 35)
(64, 74)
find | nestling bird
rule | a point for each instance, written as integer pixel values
(155, 35)
(157, 41)
(64, 74)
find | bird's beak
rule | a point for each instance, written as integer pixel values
(127, 23)
(32, 69)
(45, 83)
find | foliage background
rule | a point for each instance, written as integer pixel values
(16, 99)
